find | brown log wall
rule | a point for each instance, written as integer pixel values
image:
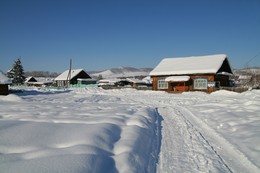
(188, 86)
(4, 90)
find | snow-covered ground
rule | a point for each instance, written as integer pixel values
(95, 130)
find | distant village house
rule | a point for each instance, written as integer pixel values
(196, 73)
(116, 83)
(76, 76)
(4, 84)
(31, 81)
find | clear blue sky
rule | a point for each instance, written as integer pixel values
(100, 34)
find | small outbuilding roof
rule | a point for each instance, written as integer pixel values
(134, 80)
(4, 79)
(210, 64)
(177, 78)
(64, 75)
(30, 79)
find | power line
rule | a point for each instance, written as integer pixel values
(252, 58)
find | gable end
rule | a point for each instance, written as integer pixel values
(225, 67)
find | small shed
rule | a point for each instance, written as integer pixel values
(196, 73)
(136, 83)
(4, 84)
(71, 77)
(30, 80)
(108, 82)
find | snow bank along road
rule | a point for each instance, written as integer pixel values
(132, 131)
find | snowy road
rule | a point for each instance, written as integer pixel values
(184, 149)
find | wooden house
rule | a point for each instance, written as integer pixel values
(4, 84)
(71, 77)
(196, 73)
(30, 80)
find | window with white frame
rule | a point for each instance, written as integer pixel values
(200, 83)
(162, 84)
(59, 83)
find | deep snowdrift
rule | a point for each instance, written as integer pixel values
(75, 132)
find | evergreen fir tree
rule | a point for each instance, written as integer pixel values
(17, 72)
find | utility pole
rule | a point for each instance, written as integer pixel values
(69, 74)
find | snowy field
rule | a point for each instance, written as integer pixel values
(129, 131)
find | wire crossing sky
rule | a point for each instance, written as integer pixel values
(100, 34)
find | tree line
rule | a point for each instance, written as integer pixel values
(41, 74)
(17, 74)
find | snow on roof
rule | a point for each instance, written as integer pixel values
(148, 80)
(64, 75)
(4, 79)
(189, 65)
(89, 79)
(134, 80)
(109, 80)
(41, 83)
(177, 78)
(29, 78)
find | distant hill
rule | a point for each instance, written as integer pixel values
(121, 72)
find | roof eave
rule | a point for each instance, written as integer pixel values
(181, 74)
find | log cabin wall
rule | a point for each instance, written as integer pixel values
(4, 89)
(223, 80)
(209, 77)
(185, 86)
(155, 81)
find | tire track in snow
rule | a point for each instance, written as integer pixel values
(233, 159)
(183, 150)
(202, 139)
